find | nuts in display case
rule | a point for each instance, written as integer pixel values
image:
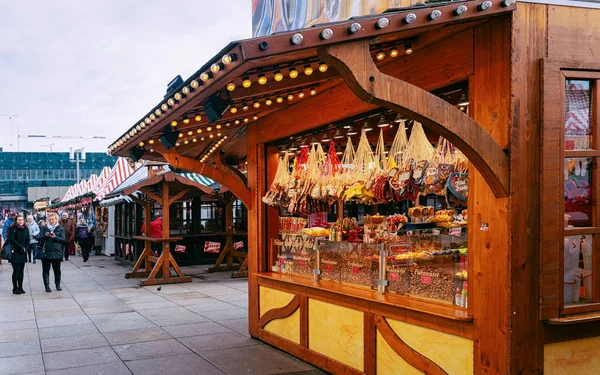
(303, 265)
(434, 278)
(398, 278)
(359, 262)
(331, 265)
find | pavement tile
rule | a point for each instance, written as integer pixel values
(171, 316)
(79, 358)
(136, 335)
(217, 341)
(113, 368)
(117, 308)
(150, 349)
(188, 364)
(18, 348)
(23, 324)
(58, 344)
(255, 360)
(59, 313)
(238, 325)
(16, 317)
(223, 315)
(235, 297)
(66, 321)
(22, 365)
(19, 335)
(68, 331)
(55, 304)
(209, 304)
(195, 329)
(152, 305)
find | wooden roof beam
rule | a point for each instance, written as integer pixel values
(355, 64)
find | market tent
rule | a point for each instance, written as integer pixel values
(118, 174)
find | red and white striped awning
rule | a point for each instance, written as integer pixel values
(118, 174)
(90, 183)
(101, 178)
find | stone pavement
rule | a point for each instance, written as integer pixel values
(102, 323)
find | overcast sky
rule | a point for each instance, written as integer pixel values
(94, 67)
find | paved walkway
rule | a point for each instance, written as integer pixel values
(102, 323)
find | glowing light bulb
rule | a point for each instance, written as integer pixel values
(323, 67)
(394, 53)
(231, 86)
(151, 141)
(256, 104)
(204, 76)
(141, 144)
(278, 76)
(279, 99)
(293, 73)
(268, 102)
(301, 95)
(173, 123)
(290, 97)
(195, 84)
(313, 92)
(262, 79)
(199, 131)
(197, 117)
(180, 135)
(246, 83)
(308, 70)
(218, 126)
(380, 55)
(209, 129)
(190, 132)
(186, 121)
(233, 110)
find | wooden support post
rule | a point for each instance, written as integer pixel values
(166, 271)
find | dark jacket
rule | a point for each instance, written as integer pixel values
(52, 246)
(80, 233)
(69, 229)
(98, 236)
(19, 239)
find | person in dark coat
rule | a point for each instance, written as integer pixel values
(83, 236)
(98, 238)
(52, 238)
(68, 226)
(18, 236)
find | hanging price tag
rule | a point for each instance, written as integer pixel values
(409, 233)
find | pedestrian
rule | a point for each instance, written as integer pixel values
(98, 238)
(10, 219)
(156, 229)
(34, 230)
(83, 238)
(69, 228)
(52, 238)
(18, 237)
(42, 223)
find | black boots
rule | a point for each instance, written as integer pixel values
(21, 291)
(47, 283)
(57, 281)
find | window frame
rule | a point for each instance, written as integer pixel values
(554, 74)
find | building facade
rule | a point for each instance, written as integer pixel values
(25, 176)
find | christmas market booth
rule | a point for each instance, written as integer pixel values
(420, 184)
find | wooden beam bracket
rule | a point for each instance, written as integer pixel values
(356, 66)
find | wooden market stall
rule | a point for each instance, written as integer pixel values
(514, 87)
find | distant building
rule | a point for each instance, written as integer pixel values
(29, 176)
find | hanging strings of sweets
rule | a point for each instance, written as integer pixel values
(314, 179)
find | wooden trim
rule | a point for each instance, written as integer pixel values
(580, 309)
(149, 194)
(563, 329)
(414, 358)
(421, 313)
(179, 195)
(280, 312)
(304, 321)
(580, 74)
(356, 66)
(370, 344)
(571, 319)
(582, 153)
(307, 355)
(580, 231)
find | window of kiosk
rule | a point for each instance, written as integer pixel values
(403, 194)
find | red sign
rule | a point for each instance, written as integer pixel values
(394, 276)
(212, 247)
(302, 263)
(329, 267)
(455, 232)
(425, 279)
(238, 245)
(180, 248)
(355, 269)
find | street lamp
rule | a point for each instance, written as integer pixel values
(77, 156)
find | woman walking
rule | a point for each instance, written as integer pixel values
(34, 230)
(98, 238)
(18, 236)
(83, 238)
(52, 238)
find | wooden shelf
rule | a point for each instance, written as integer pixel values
(388, 300)
(573, 319)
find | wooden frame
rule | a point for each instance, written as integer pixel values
(554, 76)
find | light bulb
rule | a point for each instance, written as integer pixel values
(228, 124)
(231, 86)
(233, 110)
(246, 83)
(218, 134)
(141, 144)
(158, 112)
(209, 129)
(279, 99)
(190, 132)
(215, 68)
(323, 67)
(147, 120)
(178, 96)
(237, 122)
(246, 120)
(255, 118)
(301, 95)
(211, 136)
(313, 92)
(245, 107)
(195, 84)
(262, 79)
(164, 107)
(186, 142)
(268, 102)
(293, 73)
(186, 121)
(199, 131)
(226, 59)
(152, 117)
(290, 97)
(202, 138)
(151, 141)
(194, 140)
(173, 123)
(256, 104)
(180, 135)
(218, 126)
(278, 76)
(408, 49)
(197, 117)
(308, 70)
(204, 76)
(380, 55)
(186, 90)
(394, 53)
(171, 102)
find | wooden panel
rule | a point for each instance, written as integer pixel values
(572, 357)
(355, 64)
(529, 45)
(438, 317)
(573, 33)
(489, 287)
(336, 332)
(574, 330)
(254, 228)
(431, 68)
(370, 347)
(279, 312)
(272, 213)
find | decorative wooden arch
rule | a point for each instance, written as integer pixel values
(222, 174)
(354, 63)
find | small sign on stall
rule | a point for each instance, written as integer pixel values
(455, 232)
(212, 247)
(180, 248)
(238, 245)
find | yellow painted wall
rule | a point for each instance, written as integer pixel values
(336, 332)
(452, 353)
(572, 357)
(288, 328)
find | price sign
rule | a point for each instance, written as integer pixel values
(238, 245)
(409, 233)
(212, 247)
(435, 232)
(302, 263)
(455, 232)
(329, 267)
(180, 248)
(355, 269)
(426, 279)
(394, 276)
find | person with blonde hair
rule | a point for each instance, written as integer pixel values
(52, 238)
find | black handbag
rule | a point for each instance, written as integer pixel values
(41, 253)
(7, 251)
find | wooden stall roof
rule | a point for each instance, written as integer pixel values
(178, 184)
(258, 59)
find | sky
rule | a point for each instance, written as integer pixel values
(93, 68)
